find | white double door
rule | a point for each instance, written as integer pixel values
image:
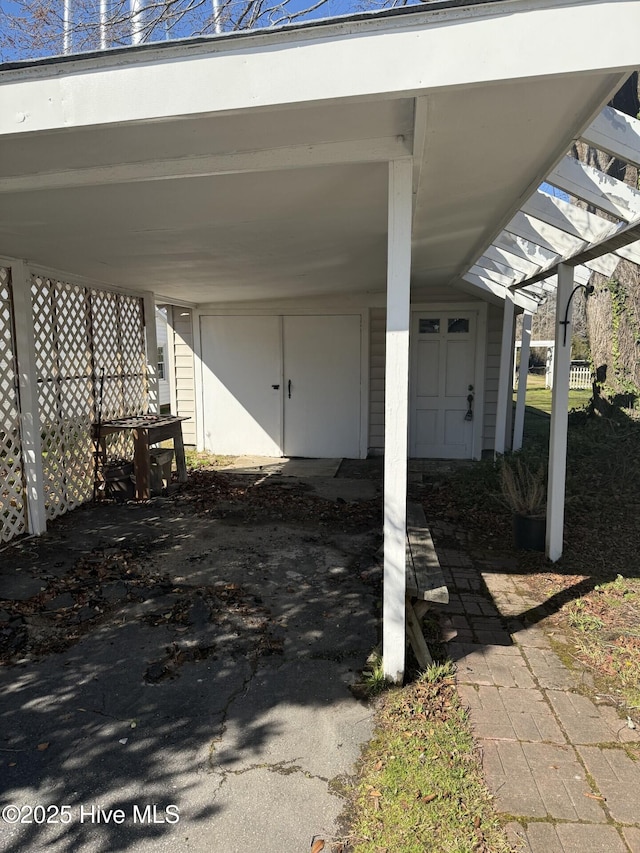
(282, 385)
(443, 354)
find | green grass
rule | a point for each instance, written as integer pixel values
(196, 459)
(539, 398)
(420, 787)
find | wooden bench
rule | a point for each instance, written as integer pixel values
(425, 581)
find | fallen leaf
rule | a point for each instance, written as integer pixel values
(374, 793)
(429, 798)
(378, 765)
(595, 797)
(476, 821)
(13, 763)
(317, 846)
(43, 746)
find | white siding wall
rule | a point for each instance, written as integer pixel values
(494, 341)
(184, 371)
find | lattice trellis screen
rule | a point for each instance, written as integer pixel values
(12, 498)
(80, 333)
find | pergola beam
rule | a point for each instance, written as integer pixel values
(615, 133)
(550, 238)
(594, 187)
(569, 218)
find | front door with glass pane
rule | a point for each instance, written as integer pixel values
(443, 346)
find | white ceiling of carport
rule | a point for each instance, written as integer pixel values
(139, 203)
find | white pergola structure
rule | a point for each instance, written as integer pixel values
(556, 243)
(399, 152)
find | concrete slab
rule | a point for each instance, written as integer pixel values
(285, 467)
(263, 679)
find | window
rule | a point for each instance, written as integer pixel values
(460, 324)
(429, 326)
(160, 362)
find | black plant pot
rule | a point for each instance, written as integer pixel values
(529, 533)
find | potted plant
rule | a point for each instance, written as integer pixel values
(524, 491)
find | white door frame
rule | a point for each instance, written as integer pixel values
(286, 310)
(479, 309)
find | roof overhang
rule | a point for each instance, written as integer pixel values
(255, 166)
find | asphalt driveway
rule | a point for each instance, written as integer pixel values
(177, 674)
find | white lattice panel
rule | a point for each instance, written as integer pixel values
(85, 341)
(119, 352)
(12, 499)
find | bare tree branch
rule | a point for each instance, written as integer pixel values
(34, 28)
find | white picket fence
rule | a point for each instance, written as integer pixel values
(579, 378)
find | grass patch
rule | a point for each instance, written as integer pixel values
(420, 787)
(197, 459)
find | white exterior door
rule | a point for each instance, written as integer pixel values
(443, 376)
(282, 385)
(242, 385)
(322, 377)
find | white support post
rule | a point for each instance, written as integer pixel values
(151, 346)
(559, 416)
(505, 392)
(198, 378)
(170, 360)
(29, 409)
(396, 417)
(518, 427)
(548, 369)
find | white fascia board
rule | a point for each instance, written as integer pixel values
(386, 56)
(605, 264)
(486, 285)
(617, 134)
(568, 217)
(594, 187)
(537, 231)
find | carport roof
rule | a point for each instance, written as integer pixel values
(254, 166)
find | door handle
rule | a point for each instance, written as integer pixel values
(289, 387)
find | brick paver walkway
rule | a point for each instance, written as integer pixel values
(564, 770)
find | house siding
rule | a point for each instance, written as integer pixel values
(182, 322)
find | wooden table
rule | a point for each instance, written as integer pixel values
(147, 430)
